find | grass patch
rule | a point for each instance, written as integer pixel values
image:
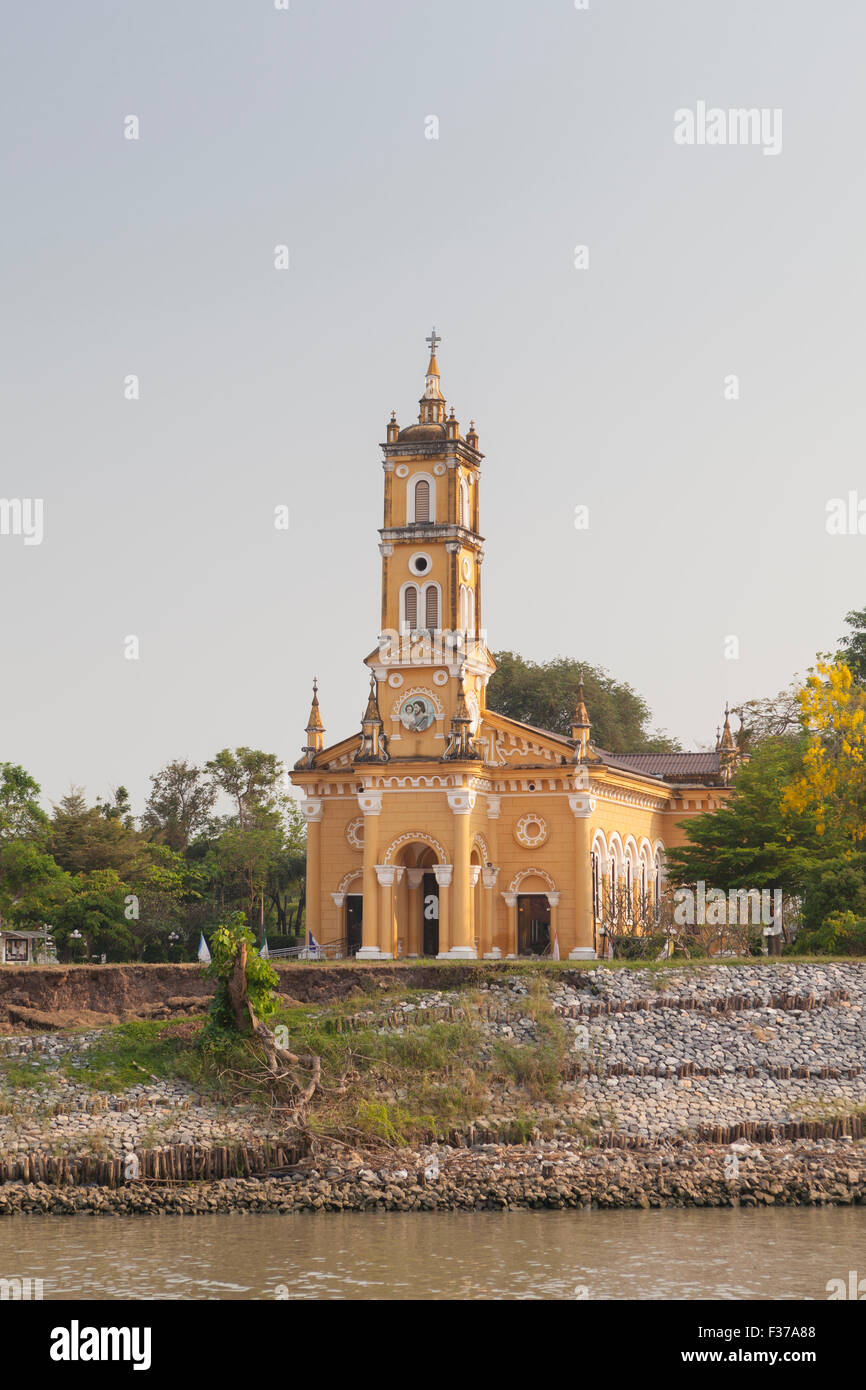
(132, 1053)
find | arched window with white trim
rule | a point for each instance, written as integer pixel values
(422, 500)
(431, 606)
(410, 606)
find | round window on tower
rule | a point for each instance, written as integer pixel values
(420, 563)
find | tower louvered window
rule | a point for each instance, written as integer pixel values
(410, 606)
(422, 500)
(431, 604)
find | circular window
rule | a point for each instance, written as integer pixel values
(530, 831)
(420, 563)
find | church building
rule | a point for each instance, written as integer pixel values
(441, 828)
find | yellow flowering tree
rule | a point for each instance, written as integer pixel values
(832, 784)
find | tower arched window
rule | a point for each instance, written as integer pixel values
(422, 500)
(464, 504)
(431, 606)
(410, 606)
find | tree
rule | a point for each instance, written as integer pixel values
(756, 840)
(545, 694)
(96, 909)
(179, 805)
(252, 779)
(831, 785)
(84, 838)
(21, 816)
(852, 647)
(23, 832)
(32, 885)
(775, 717)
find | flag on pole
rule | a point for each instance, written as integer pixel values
(312, 943)
(203, 952)
(555, 952)
(264, 952)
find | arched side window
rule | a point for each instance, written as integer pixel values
(596, 886)
(644, 901)
(657, 889)
(422, 500)
(410, 606)
(465, 517)
(431, 606)
(467, 609)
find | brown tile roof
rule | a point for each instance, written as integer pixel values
(670, 766)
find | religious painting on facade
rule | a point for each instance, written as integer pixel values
(417, 714)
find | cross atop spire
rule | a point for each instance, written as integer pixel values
(432, 402)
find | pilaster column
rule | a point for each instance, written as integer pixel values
(461, 801)
(474, 915)
(312, 810)
(553, 902)
(371, 805)
(386, 875)
(582, 807)
(414, 912)
(444, 874)
(489, 875)
(511, 938)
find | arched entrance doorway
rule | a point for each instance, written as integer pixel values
(416, 900)
(533, 924)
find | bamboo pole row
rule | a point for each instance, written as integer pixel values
(173, 1163)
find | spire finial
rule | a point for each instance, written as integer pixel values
(433, 341)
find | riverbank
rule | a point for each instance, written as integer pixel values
(495, 1177)
(711, 1084)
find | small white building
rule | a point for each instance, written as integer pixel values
(26, 947)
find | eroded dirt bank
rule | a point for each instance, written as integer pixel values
(51, 996)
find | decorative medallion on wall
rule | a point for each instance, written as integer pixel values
(355, 833)
(402, 470)
(440, 677)
(467, 567)
(474, 711)
(530, 831)
(417, 712)
(439, 469)
(395, 680)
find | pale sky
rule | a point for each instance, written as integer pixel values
(259, 387)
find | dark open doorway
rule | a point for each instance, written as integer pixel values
(533, 924)
(430, 910)
(354, 922)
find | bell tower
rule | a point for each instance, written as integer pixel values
(432, 662)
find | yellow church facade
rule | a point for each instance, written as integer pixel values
(441, 827)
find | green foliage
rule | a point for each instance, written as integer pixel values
(840, 934)
(751, 841)
(96, 908)
(130, 1053)
(261, 978)
(852, 647)
(545, 694)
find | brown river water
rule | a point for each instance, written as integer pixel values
(790, 1253)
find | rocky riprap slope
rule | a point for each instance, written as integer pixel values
(666, 1054)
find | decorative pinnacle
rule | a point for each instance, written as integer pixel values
(433, 342)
